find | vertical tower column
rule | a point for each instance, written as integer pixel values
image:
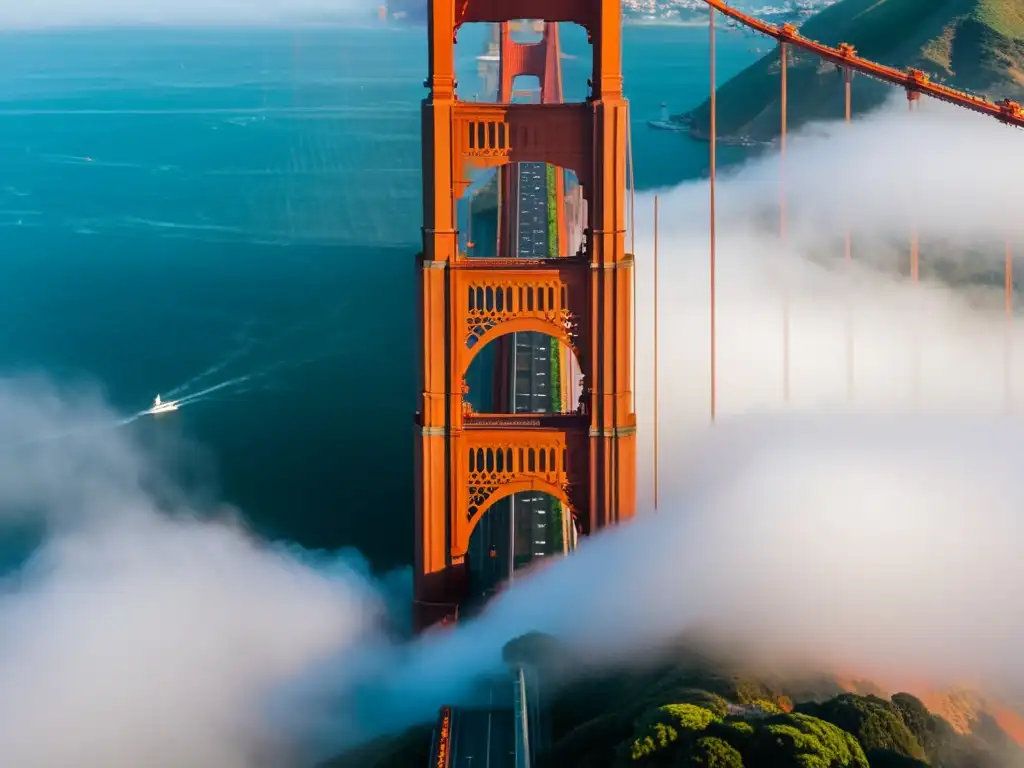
(440, 243)
(613, 422)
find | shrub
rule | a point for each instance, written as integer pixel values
(659, 728)
(804, 741)
(875, 722)
(714, 753)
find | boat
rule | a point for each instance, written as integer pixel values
(666, 123)
(161, 407)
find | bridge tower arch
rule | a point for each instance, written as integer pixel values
(587, 295)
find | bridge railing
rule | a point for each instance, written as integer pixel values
(441, 748)
(521, 711)
(565, 420)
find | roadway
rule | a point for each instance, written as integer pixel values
(531, 385)
(484, 736)
(517, 530)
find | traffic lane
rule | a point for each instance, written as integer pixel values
(486, 736)
(533, 220)
(496, 565)
(503, 741)
(533, 393)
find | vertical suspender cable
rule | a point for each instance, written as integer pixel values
(655, 352)
(713, 150)
(783, 70)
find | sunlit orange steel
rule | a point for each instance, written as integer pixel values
(465, 462)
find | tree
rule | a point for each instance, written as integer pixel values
(534, 649)
(875, 722)
(667, 725)
(987, 746)
(802, 741)
(593, 743)
(712, 752)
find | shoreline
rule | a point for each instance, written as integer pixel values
(687, 126)
(628, 22)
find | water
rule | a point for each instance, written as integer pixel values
(175, 201)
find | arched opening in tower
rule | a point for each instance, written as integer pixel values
(522, 211)
(513, 536)
(524, 372)
(479, 59)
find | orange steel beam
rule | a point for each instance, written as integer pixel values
(913, 80)
(632, 228)
(464, 467)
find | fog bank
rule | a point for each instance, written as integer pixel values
(97, 13)
(867, 523)
(146, 630)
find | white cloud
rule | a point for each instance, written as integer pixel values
(141, 633)
(78, 13)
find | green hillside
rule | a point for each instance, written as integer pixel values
(975, 45)
(689, 709)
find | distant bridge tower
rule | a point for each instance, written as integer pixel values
(465, 462)
(487, 64)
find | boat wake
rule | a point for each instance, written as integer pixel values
(166, 406)
(160, 406)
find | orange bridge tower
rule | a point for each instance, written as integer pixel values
(465, 462)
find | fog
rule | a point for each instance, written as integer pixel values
(91, 13)
(868, 524)
(877, 533)
(147, 630)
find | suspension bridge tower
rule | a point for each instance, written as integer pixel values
(466, 462)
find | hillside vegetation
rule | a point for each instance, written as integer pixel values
(698, 713)
(974, 45)
(693, 710)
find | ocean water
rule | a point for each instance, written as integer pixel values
(183, 210)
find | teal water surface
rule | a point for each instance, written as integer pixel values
(186, 209)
